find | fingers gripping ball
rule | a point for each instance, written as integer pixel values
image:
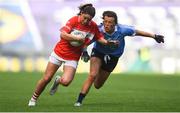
(77, 43)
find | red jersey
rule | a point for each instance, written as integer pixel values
(68, 52)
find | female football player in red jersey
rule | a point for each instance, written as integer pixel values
(79, 29)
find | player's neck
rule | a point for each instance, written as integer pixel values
(110, 31)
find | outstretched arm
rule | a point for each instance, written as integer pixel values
(108, 42)
(158, 38)
(85, 56)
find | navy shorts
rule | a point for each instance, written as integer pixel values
(109, 62)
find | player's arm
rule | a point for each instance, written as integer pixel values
(100, 38)
(158, 38)
(108, 42)
(85, 56)
(102, 41)
(70, 37)
(65, 31)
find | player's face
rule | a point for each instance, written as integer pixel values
(109, 24)
(85, 18)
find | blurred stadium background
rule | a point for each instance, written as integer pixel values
(29, 29)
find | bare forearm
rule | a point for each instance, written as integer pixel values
(145, 34)
(103, 41)
(157, 37)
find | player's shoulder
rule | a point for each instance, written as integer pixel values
(123, 27)
(73, 19)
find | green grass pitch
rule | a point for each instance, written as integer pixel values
(121, 93)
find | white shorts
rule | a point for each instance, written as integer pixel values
(55, 59)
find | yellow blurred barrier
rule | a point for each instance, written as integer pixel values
(83, 67)
(28, 65)
(15, 65)
(40, 64)
(4, 64)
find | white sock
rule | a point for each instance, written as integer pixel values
(32, 99)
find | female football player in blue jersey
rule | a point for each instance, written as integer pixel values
(104, 58)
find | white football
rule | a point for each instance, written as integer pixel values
(77, 43)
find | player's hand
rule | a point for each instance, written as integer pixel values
(85, 56)
(113, 42)
(80, 39)
(159, 38)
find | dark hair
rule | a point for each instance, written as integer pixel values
(87, 9)
(110, 14)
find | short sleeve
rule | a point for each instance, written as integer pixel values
(128, 30)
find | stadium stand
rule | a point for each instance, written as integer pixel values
(41, 30)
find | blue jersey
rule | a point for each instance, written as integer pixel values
(120, 32)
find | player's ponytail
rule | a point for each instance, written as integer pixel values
(87, 9)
